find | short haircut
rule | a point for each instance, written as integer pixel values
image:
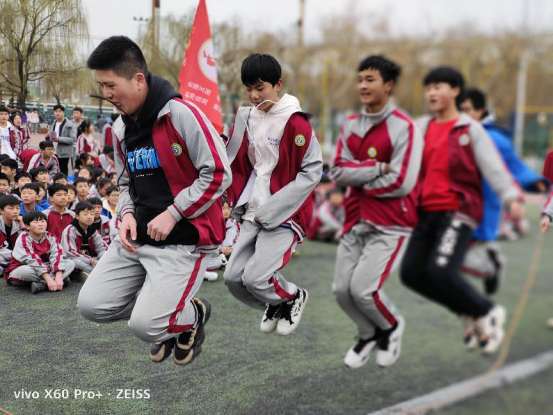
(104, 181)
(445, 74)
(112, 189)
(56, 187)
(389, 71)
(43, 145)
(9, 200)
(83, 206)
(32, 216)
(3, 108)
(92, 174)
(4, 177)
(11, 163)
(80, 180)
(59, 107)
(32, 186)
(59, 176)
(78, 109)
(38, 170)
(119, 54)
(95, 201)
(22, 174)
(260, 68)
(71, 187)
(476, 97)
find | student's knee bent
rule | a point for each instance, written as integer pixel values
(90, 306)
(142, 326)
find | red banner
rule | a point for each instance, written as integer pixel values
(198, 75)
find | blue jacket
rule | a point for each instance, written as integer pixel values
(526, 178)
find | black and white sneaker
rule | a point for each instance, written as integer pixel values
(38, 287)
(389, 345)
(291, 313)
(270, 318)
(162, 350)
(358, 355)
(189, 343)
(490, 329)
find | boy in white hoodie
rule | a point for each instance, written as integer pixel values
(276, 164)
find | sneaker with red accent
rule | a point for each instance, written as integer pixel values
(291, 313)
(189, 344)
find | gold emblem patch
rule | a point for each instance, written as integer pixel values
(372, 152)
(464, 139)
(177, 149)
(300, 140)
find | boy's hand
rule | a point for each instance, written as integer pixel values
(161, 226)
(226, 250)
(59, 280)
(52, 285)
(128, 226)
(94, 262)
(516, 210)
(545, 222)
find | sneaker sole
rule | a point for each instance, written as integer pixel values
(363, 362)
(502, 318)
(291, 329)
(195, 352)
(159, 356)
(270, 329)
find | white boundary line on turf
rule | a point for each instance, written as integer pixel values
(450, 394)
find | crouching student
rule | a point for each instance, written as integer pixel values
(9, 228)
(37, 258)
(232, 229)
(80, 241)
(101, 222)
(329, 218)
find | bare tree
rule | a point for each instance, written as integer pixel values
(39, 38)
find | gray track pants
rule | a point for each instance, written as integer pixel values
(252, 272)
(82, 266)
(365, 258)
(28, 274)
(151, 288)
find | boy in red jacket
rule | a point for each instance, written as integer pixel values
(276, 164)
(457, 153)
(58, 215)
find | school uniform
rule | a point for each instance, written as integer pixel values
(82, 247)
(327, 222)
(57, 222)
(8, 238)
(52, 164)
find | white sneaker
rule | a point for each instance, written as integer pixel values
(211, 276)
(490, 329)
(469, 339)
(291, 313)
(224, 260)
(270, 318)
(358, 355)
(389, 347)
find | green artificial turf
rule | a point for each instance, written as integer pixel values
(45, 343)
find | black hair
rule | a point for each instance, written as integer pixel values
(4, 177)
(98, 171)
(389, 71)
(260, 68)
(37, 170)
(56, 187)
(15, 114)
(445, 74)
(110, 156)
(71, 187)
(114, 116)
(3, 108)
(111, 175)
(83, 206)
(43, 145)
(85, 125)
(102, 182)
(121, 55)
(59, 176)
(334, 191)
(9, 200)
(83, 157)
(11, 163)
(95, 201)
(107, 150)
(32, 216)
(32, 186)
(78, 109)
(22, 174)
(80, 180)
(112, 189)
(59, 107)
(325, 179)
(92, 173)
(476, 97)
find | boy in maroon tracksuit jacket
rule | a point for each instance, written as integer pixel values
(457, 153)
(59, 217)
(9, 228)
(37, 258)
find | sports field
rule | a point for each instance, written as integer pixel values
(45, 344)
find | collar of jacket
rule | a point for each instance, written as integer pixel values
(362, 124)
(89, 231)
(424, 121)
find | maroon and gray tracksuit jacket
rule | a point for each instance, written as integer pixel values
(57, 222)
(7, 243)
(80, 245)
(471, 155)
(292, 181)
(44, 255)
(367, 142)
